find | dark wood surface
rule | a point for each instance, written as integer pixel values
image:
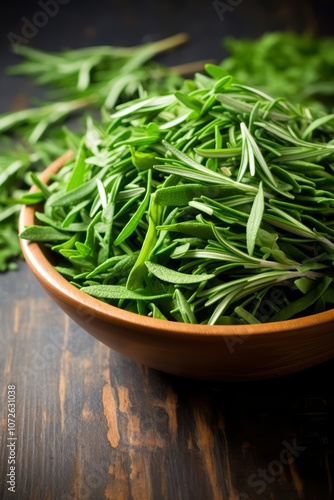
(91, 424)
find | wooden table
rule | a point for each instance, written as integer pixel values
(92, 424)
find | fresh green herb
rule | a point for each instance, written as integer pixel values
(299, 67)
(198, 205)
(99, 78)
(81, 80)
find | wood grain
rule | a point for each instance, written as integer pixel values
(94, 425)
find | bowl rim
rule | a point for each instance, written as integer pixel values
(64, 290)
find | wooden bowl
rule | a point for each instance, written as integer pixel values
(236, 352)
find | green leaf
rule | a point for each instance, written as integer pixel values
(139, 269)
(254, 221)
(75, 195)
(156, 313)
(40, 184)
(142, 160)
(215, 71)
(184, 308)
(131, 225)
(78, 173)
(31, 198)
(177, 196)
(304, 302)
(190, 228)
(316, 124)
(188, 101)
(176, 277)
(120, 292)
(43, 233)
(246, 316)
(304, 284)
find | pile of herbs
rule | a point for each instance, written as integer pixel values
(79, 81)
(200, 206)
(92, 79)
